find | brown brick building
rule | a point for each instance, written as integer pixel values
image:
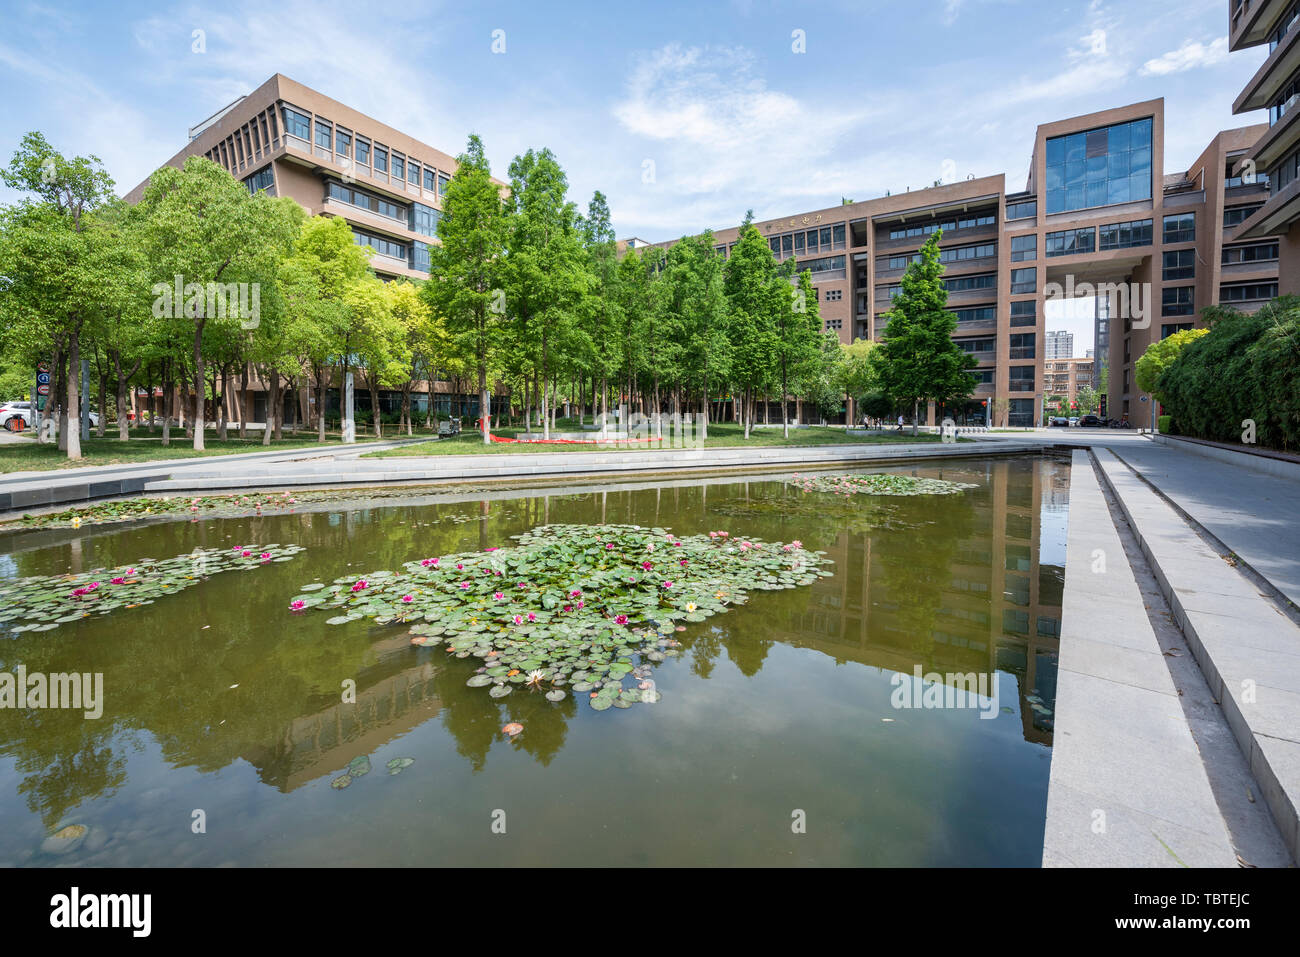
(1098, 215)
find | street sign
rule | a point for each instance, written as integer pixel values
(42, 390)
(42, 378)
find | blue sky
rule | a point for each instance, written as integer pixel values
(887, 95)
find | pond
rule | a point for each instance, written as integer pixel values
(790, 729)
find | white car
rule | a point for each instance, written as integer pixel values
(15, 415)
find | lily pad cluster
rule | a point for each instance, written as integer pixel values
(877, 484)
(197, 506)
(578, 609)
(43, 602)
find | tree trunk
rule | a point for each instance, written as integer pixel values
(272, 387)
(123, 433)
(169, 399)
(74, 397)
(374, 405)
(545, 383)
(916, 414)
(320, 403)
(243, 402)
(200, 386)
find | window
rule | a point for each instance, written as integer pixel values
(858, 230)
(1238, 214)
(363, 152)
(826, 237)
(833, 295)
(399, 168)
(364, 200)
(775, 244)
(1169, 328)
(838, 233)
(982, 376)
(430, 181)
(1179, 264)
(902, 262)
(1284, 102)
(811, 240)
(1020, 412)
(962, 253)
(388, 247)
(1126, 235)
(442, 185)
(982, 348)
(1020, 379)
(798, 244)
(296, 124)
(420, 256)
(1285, 173)
(1070, 242)
(1026, 210)
(1111, 164)
(262, 179)
(1024, 248)
(413, 174)
(1257, 252)
(342, 143)
(1180, 228)
(965, 283)
(1022, 345)
(828, 267)
(913, 232)
(381, 159)
(971, 222)
(1024, 280)
(787, 244)
(834, 323)
(424, 219)
(1288, 20)
(324, 134)
(1247, 292)
(1177, 301)
(1024, 312)
(976, 314)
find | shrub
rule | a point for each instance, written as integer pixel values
(1247, 367)
(1162, 423)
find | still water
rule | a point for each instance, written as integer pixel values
(776, 741)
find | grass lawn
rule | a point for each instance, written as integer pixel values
(721, 435)
(145, 445)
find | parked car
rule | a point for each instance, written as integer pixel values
(1091, 421)
(1058, 422)
(16, 415)
(1074, 421)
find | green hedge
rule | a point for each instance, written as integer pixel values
(1162, 423)
(1248, 367)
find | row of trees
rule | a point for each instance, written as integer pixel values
(202, 283)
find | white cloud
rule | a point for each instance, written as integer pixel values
(1189, 56)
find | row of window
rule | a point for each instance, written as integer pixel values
(1180, 228)
(1236, 215)
(1248, 292)
(1069, 242)
(1126, 235)
(969, 222)
(365, 200)
(1286, 172)
(264, 178)
(1025, 210)
(1179, 264)
(381, 244)
(950, 255)
(1100, 167)
(363, 153)
(1254, 253)
(825, 239)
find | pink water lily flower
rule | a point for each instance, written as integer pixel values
(568, 608)
(519, 619)
(498, 595)
(580, 604)
(118, 581)
(797, 544)
(647, 565)
(246, 553)
(609, 546)
(575, 593)
(668, 584)
(459, 565)
(427, 562)
(360, 585)
(531, 616)
(464, 586)
(297, 605)
(620, 619)
(266, 556)
(408, 598)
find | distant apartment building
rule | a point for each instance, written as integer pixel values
(290, 140)
(1098, 217)
(1273, 159)
(1060, 345)
(1064, 378)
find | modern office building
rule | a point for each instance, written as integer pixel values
(1060, 345)
(1274, 158)
(1063, 378)
(1098, 217)
(290, 140)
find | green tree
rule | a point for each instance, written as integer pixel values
(206, 234)
(697, 305)
(1158, 356)
(56, 262)
(759, 299)
(467, 267)
(919, 361)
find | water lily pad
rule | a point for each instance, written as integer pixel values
(340, 782)
(359, 766)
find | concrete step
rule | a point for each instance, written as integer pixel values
(1246, 646)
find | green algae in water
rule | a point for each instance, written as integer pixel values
(877, 484)
(576, 604)
(43, 602)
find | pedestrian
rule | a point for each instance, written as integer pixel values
(900, 423)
